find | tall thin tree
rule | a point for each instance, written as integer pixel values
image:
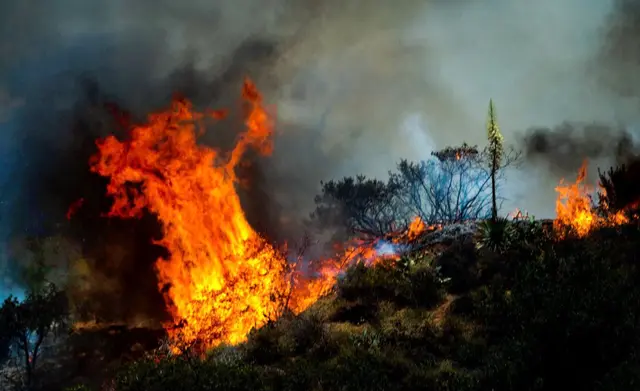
(495, 151)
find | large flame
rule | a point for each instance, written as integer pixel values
(221, 278)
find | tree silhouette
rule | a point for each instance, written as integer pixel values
(454, 185)
(620, 188)
(24, 325)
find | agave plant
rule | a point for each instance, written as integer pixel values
(497, 235)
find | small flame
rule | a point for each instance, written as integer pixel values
(416, 228)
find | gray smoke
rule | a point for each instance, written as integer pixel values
(356, 84)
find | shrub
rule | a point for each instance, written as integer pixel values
(185, 374)
(495, 235)
(404, 282)
(459, 263)
(567, 318)
(621, 187)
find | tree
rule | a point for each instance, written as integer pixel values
(25, 324)
(365, 207)
(495, 149)
(620, 188)
(449, 188)
(454, 185)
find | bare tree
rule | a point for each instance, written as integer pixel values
(454, 185)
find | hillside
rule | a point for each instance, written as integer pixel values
(540, 314)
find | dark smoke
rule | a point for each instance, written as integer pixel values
(121, 250)
(564, 148)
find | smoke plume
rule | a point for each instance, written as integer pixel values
(563, 149)
(356, 85)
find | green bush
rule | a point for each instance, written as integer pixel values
(496, 235)
(190, 374)
(565, 319)
(404, 282)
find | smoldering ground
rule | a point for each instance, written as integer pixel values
(356, 85)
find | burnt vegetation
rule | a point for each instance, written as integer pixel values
(501, 304)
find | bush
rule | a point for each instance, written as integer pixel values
(403, 282)
(495, 235)
(186, 374)
(459, 263)
(566, 319)
(621, 187)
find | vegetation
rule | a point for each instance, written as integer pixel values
(456, 184)
(510, 306)
(26, 324)
(543, 315)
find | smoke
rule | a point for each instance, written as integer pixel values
(356, 86)
(564, 148)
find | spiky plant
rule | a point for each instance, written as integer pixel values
(495, 234)
(495, 151)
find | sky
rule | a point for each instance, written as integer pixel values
(356, 85)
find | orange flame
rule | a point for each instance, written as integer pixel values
(221, 278)
(574, 207)
(416, 228)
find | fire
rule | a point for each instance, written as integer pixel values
(221, 279)
(416, 228)
(575, 209)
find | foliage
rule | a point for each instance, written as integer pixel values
(620, 187)
(405, 282)
(552, 314)
(189, 374)
(368, 207)
(496, 234)
(25, 324)
(566, 318)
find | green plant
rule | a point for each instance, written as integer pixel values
(368, 340)
(496, 235)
